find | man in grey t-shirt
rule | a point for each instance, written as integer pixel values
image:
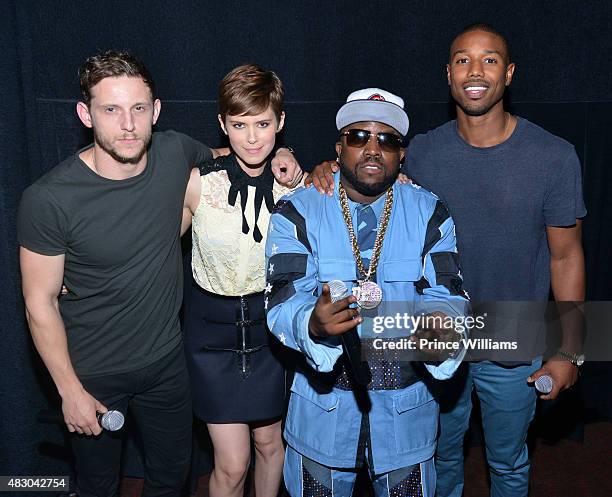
(107, 222)
(515, 193)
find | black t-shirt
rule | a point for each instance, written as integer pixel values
(121, 240)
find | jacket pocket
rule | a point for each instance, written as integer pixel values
(402, 270)
(312, 417)
(415, 419)
(336, 269)
(400, 277)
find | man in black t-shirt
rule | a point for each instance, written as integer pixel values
(106, 222)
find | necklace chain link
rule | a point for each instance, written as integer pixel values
(380, 235)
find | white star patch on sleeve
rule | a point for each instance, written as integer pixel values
(271, 269)
(282, 338)
(268, 288)
(274, 249)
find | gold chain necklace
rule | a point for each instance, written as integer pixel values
(384, 222)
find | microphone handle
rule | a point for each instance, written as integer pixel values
(351, 344)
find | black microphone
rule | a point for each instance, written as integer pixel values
(110, 420)
(351, 343)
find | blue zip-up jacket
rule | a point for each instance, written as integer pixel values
(307, 245)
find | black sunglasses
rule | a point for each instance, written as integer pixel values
(389, 142)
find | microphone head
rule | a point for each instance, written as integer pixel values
(112, 420)
(337, 290)
(544, 384)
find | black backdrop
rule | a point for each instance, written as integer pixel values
(322, 51)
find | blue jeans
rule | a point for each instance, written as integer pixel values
(507, 404)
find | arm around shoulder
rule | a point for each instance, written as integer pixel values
(444, 291)
(192, 199)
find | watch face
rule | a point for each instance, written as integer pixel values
(580, 360)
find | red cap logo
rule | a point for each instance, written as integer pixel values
(376, 96)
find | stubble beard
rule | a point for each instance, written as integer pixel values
(108, 148)
(476, 109)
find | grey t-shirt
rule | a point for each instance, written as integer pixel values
(502, 198)
(121, 240)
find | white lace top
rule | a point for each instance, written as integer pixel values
(225, 260)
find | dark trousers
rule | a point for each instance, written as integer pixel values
(159, 399)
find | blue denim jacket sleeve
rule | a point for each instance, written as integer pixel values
(444, 292)
(291, 283)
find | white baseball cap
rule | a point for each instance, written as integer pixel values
(373, 104)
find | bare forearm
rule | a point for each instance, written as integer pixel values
(568, 285)
(192, 199)
(49, 335)
(567, 278)
(186, 220)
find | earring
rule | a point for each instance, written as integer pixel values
(338, 160)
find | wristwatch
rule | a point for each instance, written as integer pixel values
(576, 359)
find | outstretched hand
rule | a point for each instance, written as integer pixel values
(333, 318)
(435, 340)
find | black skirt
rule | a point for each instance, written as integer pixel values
(233, 361)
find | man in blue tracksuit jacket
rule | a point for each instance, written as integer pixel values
(394, 246)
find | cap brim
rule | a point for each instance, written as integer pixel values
(373, 110)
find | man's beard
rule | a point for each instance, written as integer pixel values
(368, 189)
(107, 147)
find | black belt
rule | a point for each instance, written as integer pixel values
(244, 346)
(389, 371)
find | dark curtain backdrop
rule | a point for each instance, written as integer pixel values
(322, 51)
